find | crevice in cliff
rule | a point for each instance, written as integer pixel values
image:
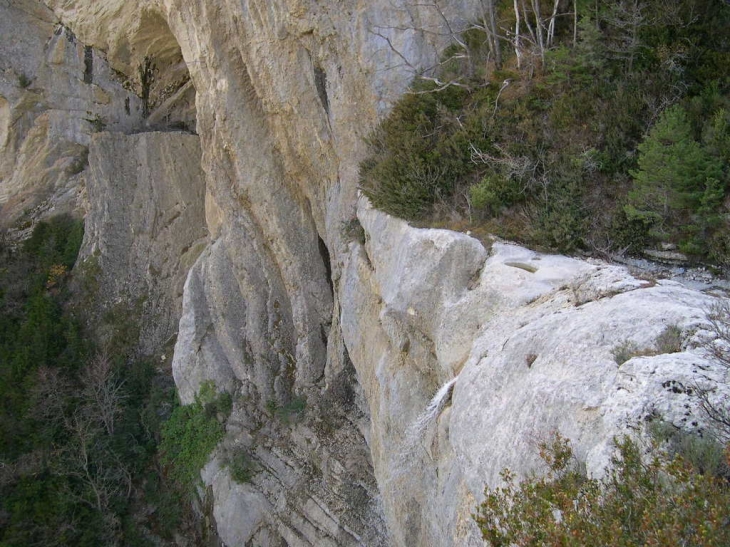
(324, 253)
(88, 64)
(4, 120)
(320, 82)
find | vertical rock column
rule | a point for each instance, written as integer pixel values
(145, 226)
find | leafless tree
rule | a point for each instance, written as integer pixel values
(532, 36)
(717, 348)
(100, 477)
(49, 396)
(103, 391)
(626, 18)
(719, 322)
(539, 35)
(462, 51)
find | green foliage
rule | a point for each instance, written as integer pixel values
(703, 453)
(417, 153)
(98, 124)
(638, 502)
(295, 406)
(624, 351)
(79, 163)
(289, 412)
(243, 468)
(34, 331)
(23, 81)
(670, 340)
(352, 230)
(56, 241)
(69, 459)
(493, 193)
(581, 152)
(676, 180)
(191, 434)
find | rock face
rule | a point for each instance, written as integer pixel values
(55, 92)
(333, 348)
(145, 227)
(530, 340)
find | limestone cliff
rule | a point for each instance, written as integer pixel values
(55, 92)
(331, 345)
(144, 228)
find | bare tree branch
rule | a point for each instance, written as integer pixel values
(103, 391)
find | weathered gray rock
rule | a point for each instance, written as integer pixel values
(145, 227)
(530, 339)
(54, 94)
(331, 349)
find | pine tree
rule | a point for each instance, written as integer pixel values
(677, 179)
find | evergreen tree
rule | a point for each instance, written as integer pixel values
(678, 181)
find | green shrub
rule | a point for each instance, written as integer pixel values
(352, 230)
(191, 434)
(56, 241)
(23, 81)
(494, 192)
(676, 179)
(704, 453)
(98, 124)
(553, 155)
(670, 340)
(624, 351)
(296, 406)
(79, 163)
(289, 412)
(638, 502)
(271, 406)
(417, 153)
(559, 219)
(243, 468)
(55, 430)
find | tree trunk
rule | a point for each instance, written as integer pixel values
(493, 32)
(551, 25)
(517, 44)
(539, 30)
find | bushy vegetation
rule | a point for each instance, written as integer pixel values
(289, 412)
(613, 135)
(79, 426)
(705, 454)
(639, 502)
(243, 468)
(191, 434)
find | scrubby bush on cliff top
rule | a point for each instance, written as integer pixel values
(613, 134)
(659, 502)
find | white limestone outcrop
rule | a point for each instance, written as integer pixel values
(530, 339)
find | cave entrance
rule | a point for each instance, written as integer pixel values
(161, 76)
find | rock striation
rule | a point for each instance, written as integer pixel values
(55, 92)
(526, 343)
(380, 378)
(144, 229)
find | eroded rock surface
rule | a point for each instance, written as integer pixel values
(331, 348)
(55, 92)
(144, 229)
(530, 340)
